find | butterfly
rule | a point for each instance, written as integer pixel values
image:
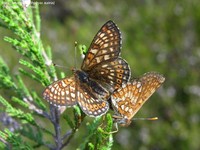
(127, 100)
(102, 71)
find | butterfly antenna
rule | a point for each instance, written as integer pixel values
(75, 53)
(151, 119)
(56, 65)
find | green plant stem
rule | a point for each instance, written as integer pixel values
(70, 134)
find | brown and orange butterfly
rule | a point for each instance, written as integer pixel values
(102, 72)
(127, 100)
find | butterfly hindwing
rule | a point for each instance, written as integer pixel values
(112, 74)
(91, 106)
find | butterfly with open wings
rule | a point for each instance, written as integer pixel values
(102, 72)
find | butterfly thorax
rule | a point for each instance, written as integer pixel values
(81, 76)
(90, 85)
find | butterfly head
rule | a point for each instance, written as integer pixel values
(122, 121)
(81, 76)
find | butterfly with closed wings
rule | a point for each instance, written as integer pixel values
(127, 100)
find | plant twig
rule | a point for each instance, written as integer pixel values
(70, 134)
(55, 117)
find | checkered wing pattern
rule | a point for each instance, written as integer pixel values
(67, 92)
(112, 74)
(102, 61)
(102, 72)
(105, 46)
(127, 100)
(91, 106)
(61, 92)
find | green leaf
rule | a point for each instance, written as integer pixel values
(83, 49)
(15, 141)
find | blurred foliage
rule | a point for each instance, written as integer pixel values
(158, 36)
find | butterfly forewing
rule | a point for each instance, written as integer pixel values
(61, 92)
(102, 61)
(106, 45)
(129, 99)
(151, 82)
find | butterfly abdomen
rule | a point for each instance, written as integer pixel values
(99, 90)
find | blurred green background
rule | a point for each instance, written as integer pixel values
(157, 35)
